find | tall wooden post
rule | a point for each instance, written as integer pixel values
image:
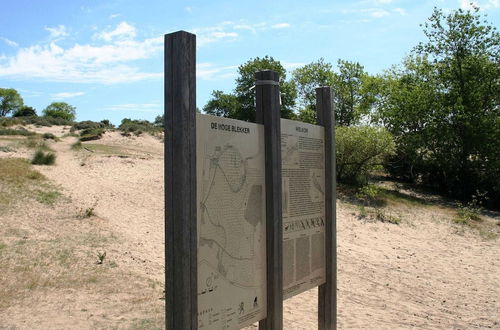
(180, 181)
(268, 114)
(327, 296)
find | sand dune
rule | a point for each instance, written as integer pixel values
(427, 272)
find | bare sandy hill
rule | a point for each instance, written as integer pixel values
(82, 247)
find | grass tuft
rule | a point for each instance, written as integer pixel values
(42, 158)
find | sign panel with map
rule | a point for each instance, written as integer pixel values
(231, 223)
(303, 179)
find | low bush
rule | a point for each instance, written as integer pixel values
(360, 151)
(90, 134)
(138, 127)
(87, 124)
(19, 131)
(42, 158)
(48, 136)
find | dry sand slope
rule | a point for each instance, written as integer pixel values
(426, 272)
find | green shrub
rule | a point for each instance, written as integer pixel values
(139, 126)
(47, 136)
(87, 124)
(90, 134)
(46, 121)
(20, 131)
(360, 151)
(41, 158)
(7, 121)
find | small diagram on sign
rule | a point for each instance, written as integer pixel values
(241, 308)
(290, 152)
(316, 189)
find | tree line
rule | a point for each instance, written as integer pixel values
(433, 119)
(11, 102)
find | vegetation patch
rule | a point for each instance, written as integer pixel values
(20, 181)
(138, 127)
(105, 149)
(19, 131)
(91, 134)
(42, 158)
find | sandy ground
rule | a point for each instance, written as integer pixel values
(426, 272)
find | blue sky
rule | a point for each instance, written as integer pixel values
(106, 57)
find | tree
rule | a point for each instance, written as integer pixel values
(223, 105)
(311, 76)
(444, 106)
(10, 101)
(60, 110)
(25, 111)
(347, 86)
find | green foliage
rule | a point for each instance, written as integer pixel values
(48, 136)
(42, 158)
(138, 127)
(10, 101)
(107, 124)
(360, 150)
(223, 105)
(100, 257)
(24, 111)
(8, 121)
(46, 121)
(349, 86)
(90, 134)
(442, 107)
(311, 76)
(307, 115)
(19, 131)
(60, 110)
(369, 194)
(241, 103)
(87, 124)
(160, 120)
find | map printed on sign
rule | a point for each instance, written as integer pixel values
(303, 179)
(231, 223)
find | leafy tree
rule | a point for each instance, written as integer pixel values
(443, 106)
(246, 93)
(223, 105)
(25, 111)
(311, 76)
(360, 150)
(241, 103)
(347, 86)
(60, 110)
(160, 121)
(10, 101)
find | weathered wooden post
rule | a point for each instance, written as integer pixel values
(268, 114)
(180, 181)
(327, 295)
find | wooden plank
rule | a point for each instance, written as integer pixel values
(268, 113)
(180, 181)
(327, 295)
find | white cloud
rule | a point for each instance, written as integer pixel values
(377, 12)
(207, 35)
(469, 5)
(400, 11)
(209, 71)
(123, 31)
(66, 95)
(82, 63)
(57, 31)
(189, 9)
(136, 107)
(114, 15)
(280, 26)
(10, 42)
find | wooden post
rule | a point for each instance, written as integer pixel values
(327, 294)
(268, 113)
(180, 181)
